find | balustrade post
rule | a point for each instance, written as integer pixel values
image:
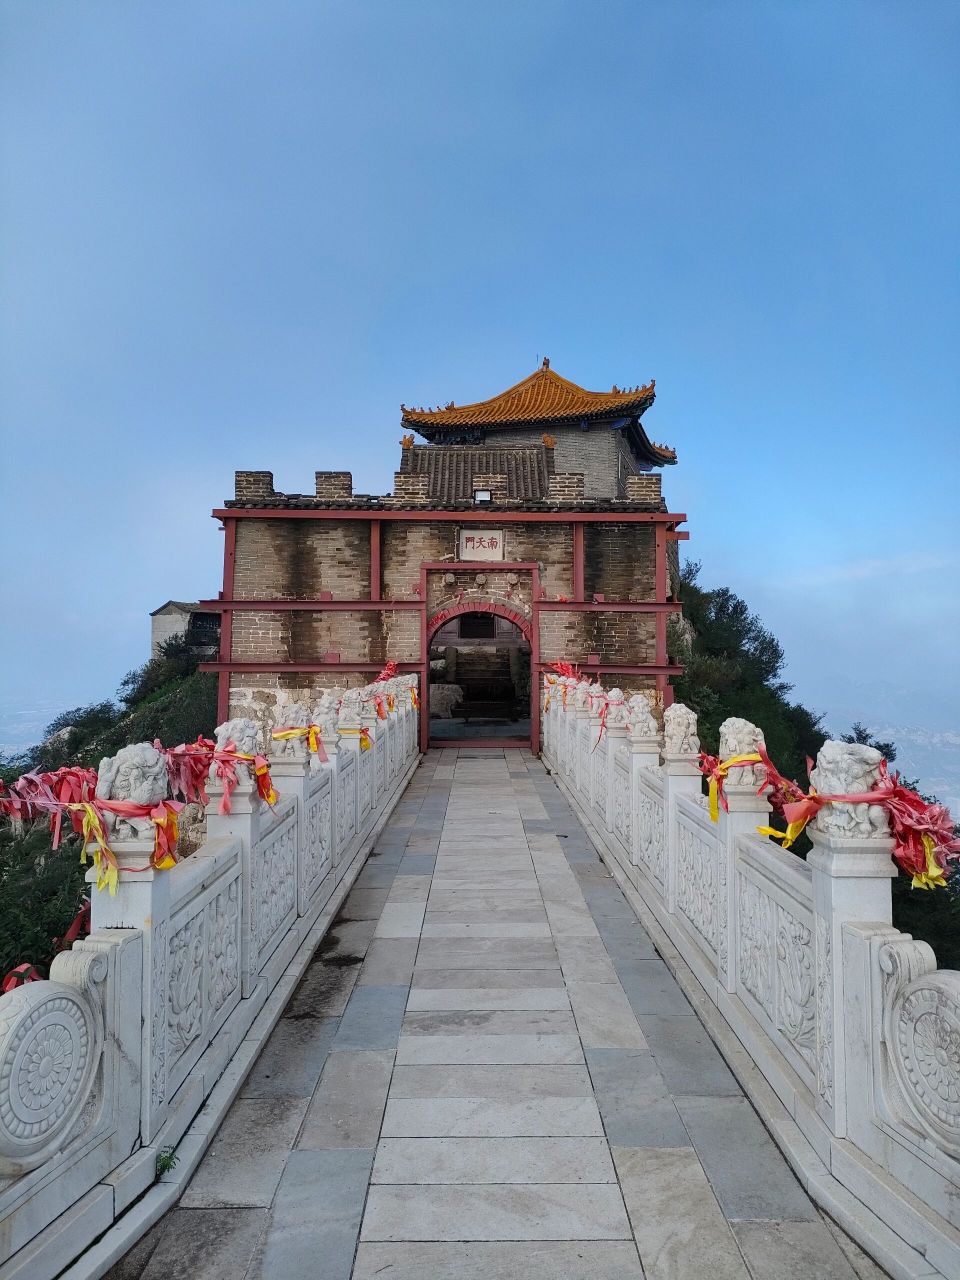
(581, 743)
(290, 769)
(852, 869)
(681, 776)
(142, 901)
(644, 745)
(374, 726)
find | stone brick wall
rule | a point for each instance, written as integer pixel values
(626, 638)
(551, 545)
(250, 485)
(600, 454)
(619, 561)
(334, 484)
(566, 486)
(643, 487)
(404, 545)
(300, 559)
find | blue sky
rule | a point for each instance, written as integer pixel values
(239, 235)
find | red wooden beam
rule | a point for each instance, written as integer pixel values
(648, 669)
(305, 606)
(484, 515)
(611, 606)
(297, 668)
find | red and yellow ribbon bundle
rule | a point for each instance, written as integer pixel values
(34, 794)
(924, 840)
(366, 742)
(188, 767)
(313, 734)
(391, 702)
(225, 763)
(93, 829)
(414, 697)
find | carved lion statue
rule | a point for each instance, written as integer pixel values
(243, 733)
(848, 768)
(680, 731)
(642, 720)
(325, 712)
(740, 738)
(137, 773)
(617, 713)
(290, 715)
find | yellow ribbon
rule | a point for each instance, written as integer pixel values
(722, 770)
(95, 841)
(414, 699)
(787, 837)
(310, 732)
(362, 734)
(933, 877)
(391, 702)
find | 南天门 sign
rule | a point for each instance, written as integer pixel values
(481, 544)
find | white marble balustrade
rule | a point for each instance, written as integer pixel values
(845, 1032)
(185, 971)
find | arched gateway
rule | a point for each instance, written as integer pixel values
(539, 507)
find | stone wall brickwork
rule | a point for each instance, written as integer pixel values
(250, 485)
(644, 487)
(620, 561)
(600, 454)
(331, 485)
(404, 546)
(301, 559)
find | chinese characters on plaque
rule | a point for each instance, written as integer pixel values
(481, 544)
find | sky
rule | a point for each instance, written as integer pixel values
(237, 235)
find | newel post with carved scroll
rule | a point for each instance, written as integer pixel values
(852, 870)
(681, 776)
(746, 810)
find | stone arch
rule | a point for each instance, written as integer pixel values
(443, 616)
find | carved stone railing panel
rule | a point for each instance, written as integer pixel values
(622, 808)
(698, 879)
(316, 857)
(196, 977)
(776, 955)
(346, 802)
(651, 846)
(271, 887)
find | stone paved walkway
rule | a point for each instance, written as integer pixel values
(487, 1071)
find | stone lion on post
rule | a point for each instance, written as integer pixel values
(680, 731)
(848, 768)
(138, 775)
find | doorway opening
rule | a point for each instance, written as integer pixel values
(479, 687)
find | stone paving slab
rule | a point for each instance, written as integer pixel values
(312, 1232)
(501, 978)
(489, 1022)
(491, 1082)
(538, 1260)
(495, 1212)
(491, 1118)
(493, 1160)
(347, 1108)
